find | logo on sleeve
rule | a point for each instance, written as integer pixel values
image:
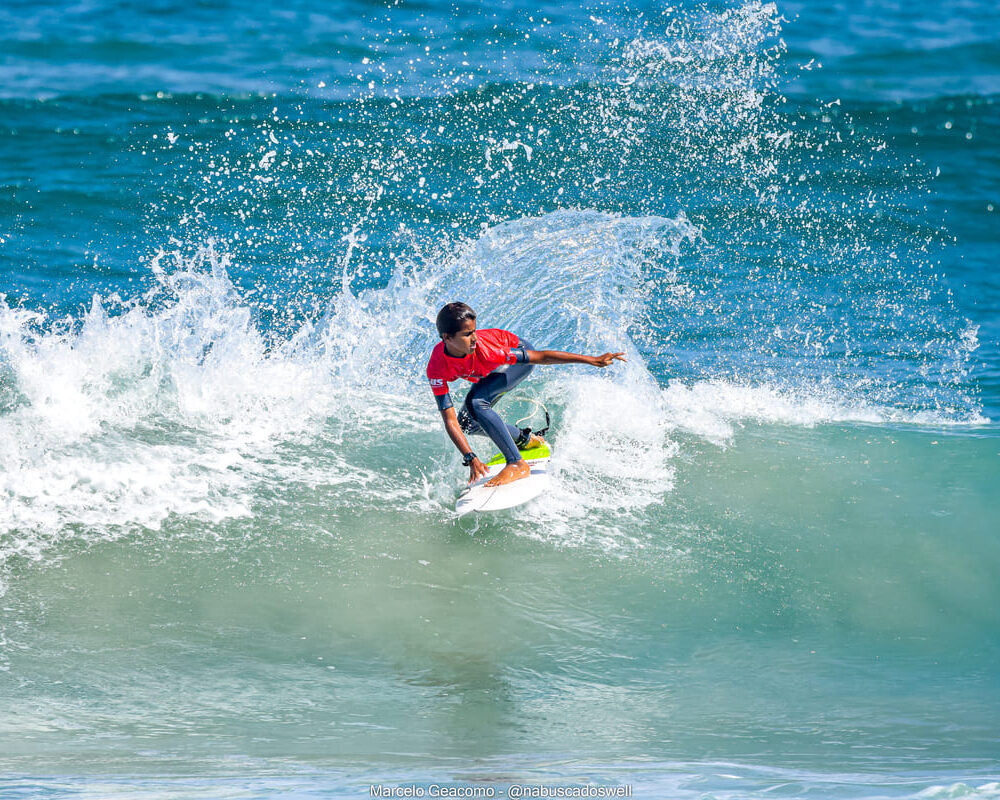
(437, 382)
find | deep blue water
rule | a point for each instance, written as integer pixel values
(229, 562)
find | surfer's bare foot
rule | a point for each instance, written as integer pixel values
(510, 473)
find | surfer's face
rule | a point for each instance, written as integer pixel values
(463, 341)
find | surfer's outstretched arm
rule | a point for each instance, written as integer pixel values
(560, 357)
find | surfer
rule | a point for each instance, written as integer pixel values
(495, 361)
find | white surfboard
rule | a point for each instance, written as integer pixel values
(479, 497)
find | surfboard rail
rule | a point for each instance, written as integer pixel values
(479, 497)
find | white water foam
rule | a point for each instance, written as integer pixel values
(172, 404)
(714, 409)
(963, 790)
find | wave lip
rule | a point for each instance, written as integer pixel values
(712, 409)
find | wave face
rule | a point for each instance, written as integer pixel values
(226, 500)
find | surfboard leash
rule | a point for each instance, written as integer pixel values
(537, 405)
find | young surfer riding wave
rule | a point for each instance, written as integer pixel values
(495, 361)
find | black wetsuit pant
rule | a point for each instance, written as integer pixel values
(477, 415)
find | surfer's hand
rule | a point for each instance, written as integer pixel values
(606, 359)
(477, 470)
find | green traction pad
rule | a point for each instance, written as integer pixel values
(532, 454)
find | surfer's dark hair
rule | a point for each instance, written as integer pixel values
(451, 317)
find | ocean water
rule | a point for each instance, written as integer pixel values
(769, 565)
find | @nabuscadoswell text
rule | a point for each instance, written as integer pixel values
(513, 791)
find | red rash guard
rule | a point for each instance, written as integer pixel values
(494, 348)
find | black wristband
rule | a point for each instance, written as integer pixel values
(469, 458)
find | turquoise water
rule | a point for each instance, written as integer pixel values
(229, 560)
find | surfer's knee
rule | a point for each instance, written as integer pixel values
(478, 406)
